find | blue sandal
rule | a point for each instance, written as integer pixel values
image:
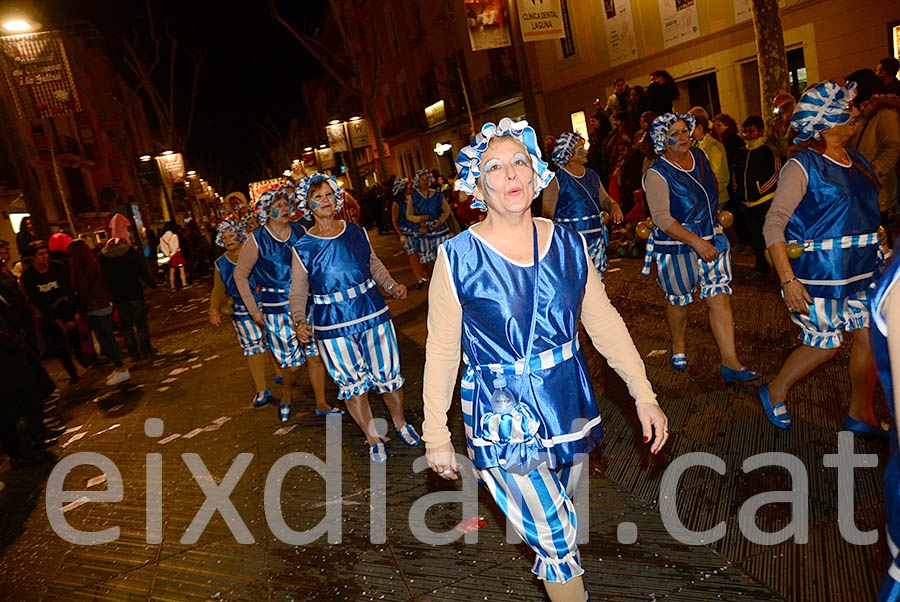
(737, 376)
(378, 453)
(278, 380)
(408, 435)
(261, 399)
(284, 412)
(777, 415)
(333, 410)
(866, 430)
(678, 361)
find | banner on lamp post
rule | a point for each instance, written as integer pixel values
(540, 20)
(337, 137)
(173, 166)
(359, 133)
(37, 70)
(488, 24)
(325, 158)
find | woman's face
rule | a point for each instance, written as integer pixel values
(841, 133)
(720, 127)
(231, 241)
(593, 124)
(578, 155)
(678, 140)
(633, 96)
(321, 201)
(507, 181)
(280, 211)
(424, 182)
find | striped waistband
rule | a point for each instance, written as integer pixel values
(843, 242)
(350, 293)
(272, 290)
(652, 243)
(563, 220)
(541, 361)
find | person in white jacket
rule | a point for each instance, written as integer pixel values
(171, 248)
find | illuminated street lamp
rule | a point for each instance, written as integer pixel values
(19, 25)
(145, 158)
(334, 122)
(192, 173)
(165, 153)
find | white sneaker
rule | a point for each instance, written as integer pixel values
(118, 376)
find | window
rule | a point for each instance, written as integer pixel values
(797, 71)
(700, 91)
(568, 42)
(418, 159)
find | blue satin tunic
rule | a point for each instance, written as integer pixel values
(496, 297)
(406, 226)
(273, 268)
(839, 201)
(579, 198)
(226, 271)
(337, 265)
(433, 207)
(693, 203)
(890, 588)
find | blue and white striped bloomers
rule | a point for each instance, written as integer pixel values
(678, 274)
(250, 335)
(283, 340)
(827, 319)
(364, 360)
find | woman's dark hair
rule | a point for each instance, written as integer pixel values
(754, 121)
(81, 259)
(639, 90)
(730, 123)
(668, 82)
(867, 84)
(314, 187)
(648, 116)
(169, 227)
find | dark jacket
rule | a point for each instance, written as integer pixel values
(756, 174)
(50, 292)
(124, 271)
(90, 291)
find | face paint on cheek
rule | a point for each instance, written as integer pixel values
(274, 212)
(314, 204)
(672, 141)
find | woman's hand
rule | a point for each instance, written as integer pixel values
(706, 250)
(259, 319)
(654, 424)
(304, 332)
(796, 297)
(215, 318)
(615, 212)
(399, 291)
(442, 460)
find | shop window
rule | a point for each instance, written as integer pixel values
(701, 91)
(796, 71)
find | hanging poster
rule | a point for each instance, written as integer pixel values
(488, 24)
(620, 40)
(742, 11)
(540, 20)
(38, 74)
(325, 158)
(359, 133)
(337, 137)
(679, 21)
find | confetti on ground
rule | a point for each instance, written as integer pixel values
(285, 429)
(73, 429)
(74, 438)
(112, 428)
(162, 389)
(169, 380)
(221, 420)
(471, 525)
(140, 386)
(194, 359)
(177, 371)
(115, 408)
(177, 351)
(96, 480)
(657, 352)
(193, 433)
(170, 438)
(195, 330)
(212, 357)
(211, 428)
(611, 270)
(79, 502)
(195, 366)
(615, 260)
(100, 398)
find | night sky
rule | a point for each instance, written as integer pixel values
(252, 73)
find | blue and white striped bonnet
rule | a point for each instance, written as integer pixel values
(468, 161)
(659, 129)
(229, 225)
(564, 147)
(302, 192)
(400, 185)
(822, 107)
(420, 173)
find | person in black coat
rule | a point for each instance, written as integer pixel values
(661, 92)
(125, 273)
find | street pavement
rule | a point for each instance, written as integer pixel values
(201, 389)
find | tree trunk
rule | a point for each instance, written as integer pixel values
(375, 126)
(771, 57)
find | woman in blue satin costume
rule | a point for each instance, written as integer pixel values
(429, 211)
(821, 233)
(511, 291)
(576, 198)
(885, 334)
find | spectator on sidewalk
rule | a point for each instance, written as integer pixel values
(618, 100)
(755, 178)
(25, 236)
(781, 124)
(637, 102)
(599, 129)
(124, 273)
(46, 284)
(93, 303)
(715, 152)
(886, 70)
(877, 137)
(661, 92)
(170, 246)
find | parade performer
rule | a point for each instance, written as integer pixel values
(576, 198)
(885, 312)
(405, 228)
(237, 203)
(226, 299)
(511, 291)
(821, 233)
(687, 241)
(267, 257)
(428, 208)
(335, 265)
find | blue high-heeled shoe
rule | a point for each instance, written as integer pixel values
(737, 376)
(865, 430)
(261, 399)
(278, 380)
(332, 410)
(777, 415)
(678, 361)
(284, 412)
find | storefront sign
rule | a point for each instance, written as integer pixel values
(540, 20)
(742, 11)
(620, 40)
(359, 133)
(488, 24)
(435, 114)
(325, 158)
(579, 126)
(37, 71)
(172, 166)
(337, 137)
